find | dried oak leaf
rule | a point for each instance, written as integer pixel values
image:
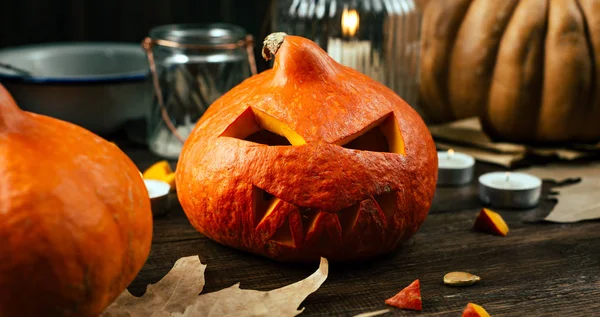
(234, 301)
(176, 296)
(174, 292)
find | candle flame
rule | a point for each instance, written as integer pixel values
(350, 22)
(450, 153)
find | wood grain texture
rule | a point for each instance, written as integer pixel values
(539, 268)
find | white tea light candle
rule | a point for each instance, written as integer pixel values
(455, 168)
(158, 191)
(510, 190)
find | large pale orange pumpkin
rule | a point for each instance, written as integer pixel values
(75, 219)
(529, 69)
(308, 159)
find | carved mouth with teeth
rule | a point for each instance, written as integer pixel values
(301, 225)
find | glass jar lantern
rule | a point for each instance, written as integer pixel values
(380, 38)
(192, 65)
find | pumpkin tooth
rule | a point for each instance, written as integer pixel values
(309, 221)
(295, 221)
(272, 205)
(321, 229)
(284, 235)
(275, 223)
(372, 208)
(263, 204)
(388, 204)
(348, 218)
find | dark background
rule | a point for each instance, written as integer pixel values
(25, 22)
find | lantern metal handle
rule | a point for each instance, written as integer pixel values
(148, 43)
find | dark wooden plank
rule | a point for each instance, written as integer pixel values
(541, 269)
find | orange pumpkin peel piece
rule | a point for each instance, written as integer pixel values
(161, 171)
(408, 298)
(491, 222)
(474, 310)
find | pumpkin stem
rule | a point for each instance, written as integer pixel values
(271, 44)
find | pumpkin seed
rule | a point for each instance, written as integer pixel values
(460, 279)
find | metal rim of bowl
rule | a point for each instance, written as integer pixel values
(133, 76)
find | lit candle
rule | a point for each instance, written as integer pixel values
(158, 191)
(510, 190)
(455, 168)
(350, 51)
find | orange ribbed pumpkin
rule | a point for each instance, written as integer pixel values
(528, 69)
(308, 159)
(75, 218)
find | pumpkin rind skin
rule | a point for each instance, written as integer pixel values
(75, 218)
(323, 102)
(529, 83)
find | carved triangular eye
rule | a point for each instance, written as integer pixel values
(267, 138)
(383, 135)
(259, 127)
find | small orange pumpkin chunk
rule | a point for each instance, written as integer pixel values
(161, 171)
(408, 298)
(169, 179)
(474, 310)
(158, 170)
(491, 222)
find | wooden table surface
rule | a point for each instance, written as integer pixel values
(539, 269)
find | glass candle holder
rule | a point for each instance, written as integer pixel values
(192, 65)
(378, 38)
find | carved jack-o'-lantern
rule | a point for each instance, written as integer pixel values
(308, 159)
